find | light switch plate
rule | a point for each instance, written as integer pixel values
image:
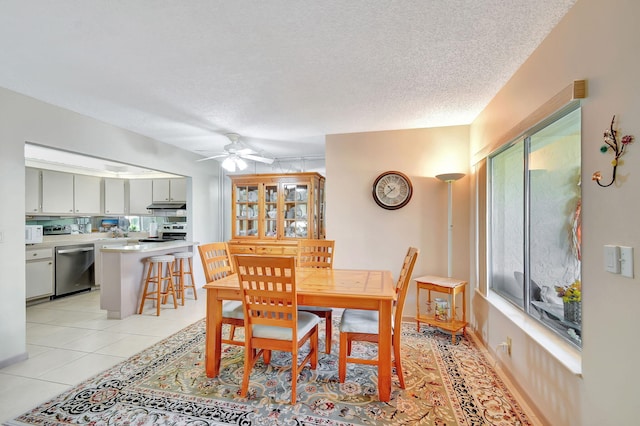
(612, 259)
(626, 261)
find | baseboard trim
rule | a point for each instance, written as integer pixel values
(14, 359)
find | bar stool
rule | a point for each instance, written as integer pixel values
(181, 272)
(161, 264)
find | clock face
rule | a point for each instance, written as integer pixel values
(392, 190)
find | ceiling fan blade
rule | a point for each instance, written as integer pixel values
(257, 158)
(244, 151)
(211, 158)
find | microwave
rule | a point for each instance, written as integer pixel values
(32, 234)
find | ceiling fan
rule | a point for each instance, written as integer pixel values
(235, 154)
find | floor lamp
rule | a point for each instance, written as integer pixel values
(449, 178)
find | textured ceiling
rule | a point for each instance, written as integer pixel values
(280, 73)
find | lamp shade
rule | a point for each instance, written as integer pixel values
(450, 177)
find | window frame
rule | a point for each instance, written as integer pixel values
(525, 139)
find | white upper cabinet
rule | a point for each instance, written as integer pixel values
(178, 189)
(140, 196)
(57, 192)
(169, 190)
(65, 193)
(114, 196)
(87, 194)
(49, 192)
(32, 190)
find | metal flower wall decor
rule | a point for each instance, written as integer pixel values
(611, 143)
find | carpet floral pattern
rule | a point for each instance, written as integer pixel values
(447, 384)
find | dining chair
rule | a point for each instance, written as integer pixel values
(318, 254)
(362, 325)
(272, 320)
(216, 263)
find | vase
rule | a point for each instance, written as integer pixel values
(573, 312)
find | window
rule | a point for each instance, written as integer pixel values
(534, 223)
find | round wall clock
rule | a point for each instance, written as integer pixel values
(392, 190)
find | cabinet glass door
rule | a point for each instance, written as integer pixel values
(271, 210)
(318, 211)
(296, 219)
(246, 208)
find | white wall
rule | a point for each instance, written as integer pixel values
(368, 236)
(596, 41)
(23, 119)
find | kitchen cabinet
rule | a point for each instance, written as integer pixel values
(274, 207)
(114, 196)
(169, 190)
(39, 273)
(32, 190)
(57, 192)
(140, 196)
(86, 194)
(65, 193)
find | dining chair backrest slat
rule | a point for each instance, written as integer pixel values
(268, 289)
(216, 262)
(316, 253)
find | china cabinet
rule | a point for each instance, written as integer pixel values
(276, 208)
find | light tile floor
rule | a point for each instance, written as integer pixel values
(70, 340)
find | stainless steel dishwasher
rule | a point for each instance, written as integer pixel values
(74, 268)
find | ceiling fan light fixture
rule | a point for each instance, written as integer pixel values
(229, 164)
(241, 163)
(236, 155)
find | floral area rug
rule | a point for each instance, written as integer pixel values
(447, 384)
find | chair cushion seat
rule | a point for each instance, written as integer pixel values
(232, 309)
(360, 321)
(306, 321)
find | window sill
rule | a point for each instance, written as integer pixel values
(566, 354)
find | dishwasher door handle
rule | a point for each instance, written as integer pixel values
(76, 250)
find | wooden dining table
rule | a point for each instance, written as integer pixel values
(334, 288)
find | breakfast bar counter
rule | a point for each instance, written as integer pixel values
(123, 268)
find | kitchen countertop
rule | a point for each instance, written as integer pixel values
(51, 241)
(147, 247)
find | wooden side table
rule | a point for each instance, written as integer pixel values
(451, 287)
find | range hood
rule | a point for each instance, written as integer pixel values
(168, 209)
(167, 206)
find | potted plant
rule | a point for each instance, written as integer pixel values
(572, 299)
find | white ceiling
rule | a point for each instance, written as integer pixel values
(281, 73)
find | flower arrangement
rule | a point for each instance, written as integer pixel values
(571, 293)
(611, 143)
